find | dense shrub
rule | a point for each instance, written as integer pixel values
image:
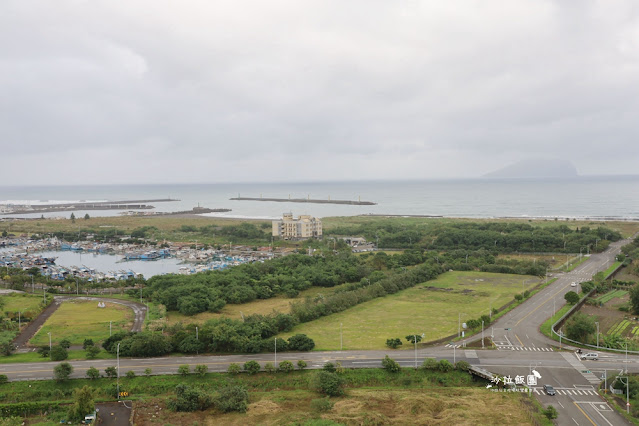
(321, 405)
(394, 343)
(300, 342)
(59, 353)
(390, 365)
(329, 383)
(232, 398)
(252, 367)
(189, 399)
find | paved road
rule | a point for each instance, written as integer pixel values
(520, 349)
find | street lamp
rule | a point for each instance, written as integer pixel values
(118, 372)
(49, 333)
(341, 339)
(597, 324)
(459, 324)
(110, 328)
(482, 334)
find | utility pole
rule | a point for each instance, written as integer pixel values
(275, 353)
(415, 351)
(341, 340)
(118, 371)
(482, 334)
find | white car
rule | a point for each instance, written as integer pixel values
(573, 284)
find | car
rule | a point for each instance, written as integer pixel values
(549, 390)
(591, 356)
(573, 284)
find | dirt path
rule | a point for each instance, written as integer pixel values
(30, 330)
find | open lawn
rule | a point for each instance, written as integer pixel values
(263, 307)
(555, 261)
(78, 320)
(22, 302)
(431, 308)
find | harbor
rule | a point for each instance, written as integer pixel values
(107, 262)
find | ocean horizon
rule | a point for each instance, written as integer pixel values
(595, 197)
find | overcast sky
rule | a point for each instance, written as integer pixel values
(239, 91)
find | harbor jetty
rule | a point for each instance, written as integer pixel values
(84, 205)
(305, 200)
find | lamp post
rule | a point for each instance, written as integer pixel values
(626, 358)
(341, 339)
(482, 334)
(459, 324)
(19, 321)
(49, 333)
(196, 334)
(110, 328)
(597, 324)
(118, 371)
(415, 337)
(77, 287)
(275, 352)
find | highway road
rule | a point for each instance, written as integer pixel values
(520, 349)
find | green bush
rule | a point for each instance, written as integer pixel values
(329, 383)
(234, 368)
(430, 364)
(394, 343)
(445, 366)
(3, 378)
(130, 374)
(232, 398)
(551, 412)
(59, 353)
(184, 370)
(321, 405)
(201, 370)
(286, 366)
(301, 364)
(147, 372)
(252, 367)
(111, 372)
(65, 343)
(390, 365)
(300, 342)
(462, 365)
(189, 399)
(269, 367)
(92, 352)
(329, 366)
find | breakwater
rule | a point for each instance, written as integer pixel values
(83, 205)
(306, 200)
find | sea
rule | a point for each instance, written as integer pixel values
(594, 197)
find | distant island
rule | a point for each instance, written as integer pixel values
(535, 168)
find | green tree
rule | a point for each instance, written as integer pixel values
(232, 398)
(252, 367)
(87, 343)
(571, 297)
(430, 364)
(462, 365)
(234, 368)
(634, 298)
(83, 403)
(301, 364)
(93, 373)
(61, 372)
(550, 412)
(329, 366)
(87, 217)
(580, 326)
(111, 372)
(184, 370)
(147, 372)
(58, 353)
(130, 374)
(390, 365)
(3, 379)
(411, 338)
(92, 352)
(72, 218)
(7, 348)
(269, 367)
(65, 343)
(44, 351)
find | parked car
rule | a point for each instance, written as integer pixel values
(591, 356)
(549, 390)
(573, 284)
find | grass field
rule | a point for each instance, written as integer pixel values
(431, 308)
(554, 261)
(21, 302)
(78, 320)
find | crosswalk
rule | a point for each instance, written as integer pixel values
(448, 345)
(502, 347)
(533, 348)
(574, 392)
(577, 365)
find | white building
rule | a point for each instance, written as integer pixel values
(303, 227)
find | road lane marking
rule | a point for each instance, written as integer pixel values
(584, 413)
(542, 304)
(562, 405)
(520, 342)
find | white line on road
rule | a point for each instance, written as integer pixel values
(562, 405)
(573, 419)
